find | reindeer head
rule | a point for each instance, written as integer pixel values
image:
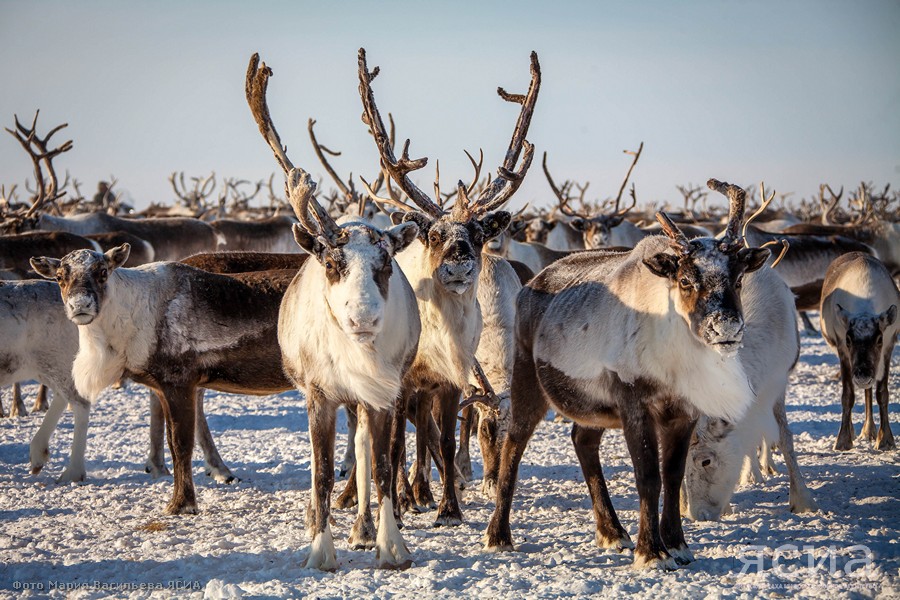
(538, 229)
(598, 229)
(357, 258)
(358, 264)
(705, 276)
(711, 470)
(83, 277)
(454, 240)
(454, 243)
(864, 340)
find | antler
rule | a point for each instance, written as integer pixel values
(28, 137)
(561, 193)
(399, 170)
(736, 200)
(637, 155)
(299, 184)
(508, 180)
(762, 208)
(829, 208)
(678, 240)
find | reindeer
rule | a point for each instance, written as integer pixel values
(858, 317)
(173, 328)
(271, 234)
(443, 268)
(645, 340)
(194, 201)
(769, 352)
(348, 331)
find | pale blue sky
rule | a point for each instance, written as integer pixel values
(795, 92)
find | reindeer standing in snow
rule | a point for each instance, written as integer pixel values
(645, 340)
(859, 320)
(443, 267)
(348, 331)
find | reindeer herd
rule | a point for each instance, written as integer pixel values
(406, 307)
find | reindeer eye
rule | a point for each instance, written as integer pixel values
(329, 265)
(739, 282)
(706, 462)
(434, 237)
(103, 275)
(685, 283)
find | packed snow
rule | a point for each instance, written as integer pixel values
(108, 536)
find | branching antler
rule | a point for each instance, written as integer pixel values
(829, 207)
(299, 184)
(637, 156)
(508, 179)
(36, 147)
(399, 170)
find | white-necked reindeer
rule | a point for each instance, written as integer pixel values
(719, 448)
(859, 320)
(173, 328)
(645, 340)
(443, 267)
(348, 331)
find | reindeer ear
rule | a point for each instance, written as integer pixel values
(843, 315)
(578, 224)
(754, 258)
(495, 223)
(307, 241)
(614, 221)
(888, 317)
(44, 266)
(402, 236)
(516, 227)
(662, 265)
(116, 257)
(421, 220)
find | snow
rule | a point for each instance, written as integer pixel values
(108, 536)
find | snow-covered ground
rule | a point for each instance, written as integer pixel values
(249, 539)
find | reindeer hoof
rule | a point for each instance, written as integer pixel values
(659, 562)
(36, 469)
(682, 555)
(619, 543)
(843, 445)
(185, 508)
(448, 517)
(495, 547)
(885, 443)
(72, 476)
(156, 471)
(362, 536)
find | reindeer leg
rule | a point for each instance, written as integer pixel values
(448, 510)
(807, 324)
(156, 460)
(640, 437)
(401, 493)
(801, 499)
(491, 442)
(390, 549)
(868, 428)
(321, 435)
(610, 533)
(40, 401)
(527, 408)
(215, 466)
(463, 458)
(845, 435)
(350, 453)
(178, 406)
(885, 440)
(40, 443)
(362, 535)
(76, 470)
(18, 406)
(421, 487)
(676, 440)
